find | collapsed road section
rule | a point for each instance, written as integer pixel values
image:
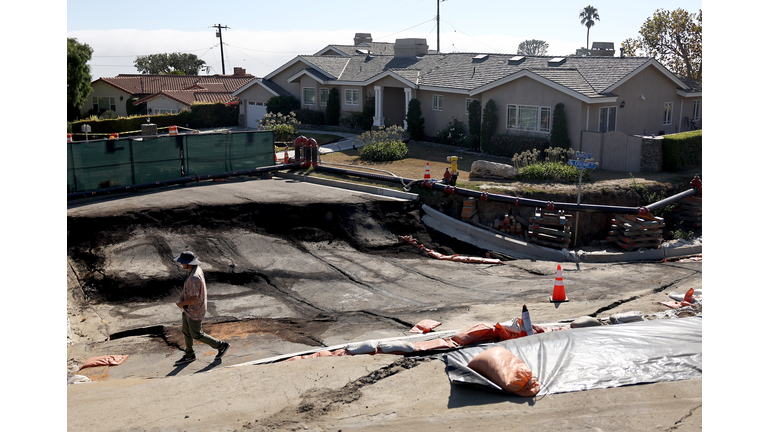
(293, 267)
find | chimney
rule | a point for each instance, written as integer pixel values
(602, 49)
(239, 71)
(362, 37)
(410, 47)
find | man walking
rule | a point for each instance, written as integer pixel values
(194, 302)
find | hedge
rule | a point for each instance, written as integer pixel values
(682, 151)
(508, 145)
(199, 116)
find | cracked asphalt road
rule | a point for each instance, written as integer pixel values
(293, 267)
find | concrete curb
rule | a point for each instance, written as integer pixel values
(351, 186)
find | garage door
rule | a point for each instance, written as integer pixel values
(254, 111)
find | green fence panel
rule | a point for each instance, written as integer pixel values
(211, 154)
(252, 150)
(101, 164)
(110, 163)
(206, 153)
(157, 158)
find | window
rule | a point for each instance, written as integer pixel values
(696, 110)
(104, 103)
(667, 113)
(323, 96)
(308, 95)
(466, 107)
(352, 97)
(607, 119)
(529, 118)
(437, 102)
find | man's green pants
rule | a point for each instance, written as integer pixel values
(193, 331)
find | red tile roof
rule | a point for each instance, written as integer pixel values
(141, 85)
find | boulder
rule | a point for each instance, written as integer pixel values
(483, 168)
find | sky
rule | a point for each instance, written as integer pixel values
(263, 35)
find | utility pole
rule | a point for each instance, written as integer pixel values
(438, 26)
(221, 44)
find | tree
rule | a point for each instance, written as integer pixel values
(162, 64)
(333, 108)
(581, 52)
(415, 120)
(588, 16)
(673, 38)
(78, 75)
(532, 47)
(559, 137)
(489, 123)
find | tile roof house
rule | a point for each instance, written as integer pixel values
(162, 93)
(601, 93)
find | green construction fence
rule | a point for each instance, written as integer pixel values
(129, 161)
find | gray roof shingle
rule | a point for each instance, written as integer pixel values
(589, 76)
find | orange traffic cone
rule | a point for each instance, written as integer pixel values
(689, 296)
(286, 158)
(427, 173)
(558, 295)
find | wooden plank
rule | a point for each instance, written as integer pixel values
(637, 221)
(550, 231)
(542, 236)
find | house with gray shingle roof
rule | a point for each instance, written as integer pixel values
(633, 95)
(156, 94)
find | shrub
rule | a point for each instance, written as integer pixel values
(352, 120)
(382, 145)
(559, 137)
(489, 123)
(282, 104)
(551, 171)
(311, 117)
(453, 133)
(415, 120)
(369, 110)
(509, 145)
(285, 126)
(682, 151)
(333, 109)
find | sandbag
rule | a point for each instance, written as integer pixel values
(107, 360)
(398, 346)
(424, 326)
(506, 370)
(367, 347)
(480, 332)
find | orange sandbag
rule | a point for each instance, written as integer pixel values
(480, 332)
(506, 370)
(424, 326)
(108, 360)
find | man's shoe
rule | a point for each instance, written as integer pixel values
(223, 350)
(186, 359)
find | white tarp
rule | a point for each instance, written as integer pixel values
(597, 357)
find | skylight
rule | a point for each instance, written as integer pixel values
(556, 60)
(517, 58)
(480, 57)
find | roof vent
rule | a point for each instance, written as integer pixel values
(556, 61)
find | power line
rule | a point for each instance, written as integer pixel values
(221, 43)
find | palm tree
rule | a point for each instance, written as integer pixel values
(588, 16)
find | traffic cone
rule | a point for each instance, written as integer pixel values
(426, 172)
(689, 296)
(286, 158)
(558, 295)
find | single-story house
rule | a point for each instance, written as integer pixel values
(600, 92)
(160, 94)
